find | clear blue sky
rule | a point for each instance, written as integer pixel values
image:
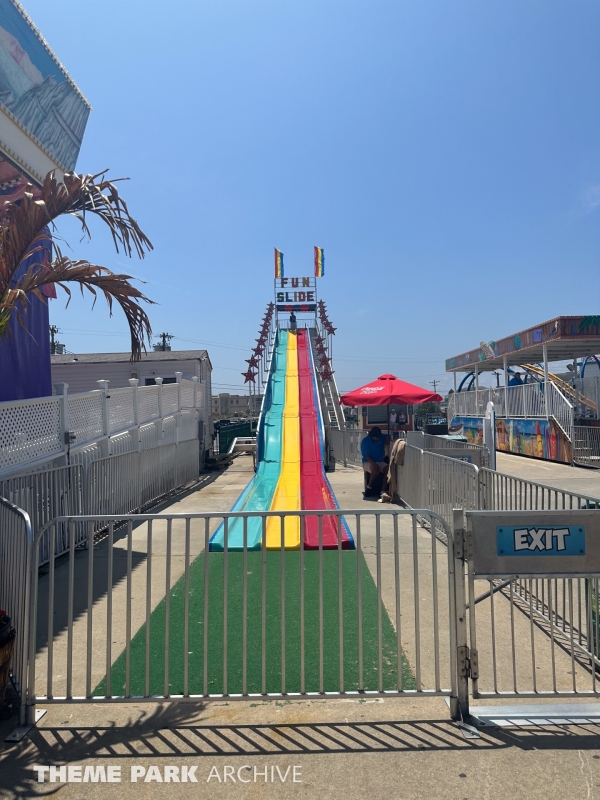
(445, 154)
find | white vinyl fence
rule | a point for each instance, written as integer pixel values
(51, 431)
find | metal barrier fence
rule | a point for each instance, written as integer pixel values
(16, 550)
(500, 492)
(346, 445)
(151, 612)
(431, 480)
(46, 495)
(431, 442)
(586, 445)
(568, 607)
(111, 485)
(530, 635)
(474, 453)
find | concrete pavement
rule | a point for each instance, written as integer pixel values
(562, 476)
(382, 748)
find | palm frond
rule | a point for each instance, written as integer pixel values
(24, 231)
(91, 277)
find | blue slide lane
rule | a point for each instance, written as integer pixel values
(257, 496)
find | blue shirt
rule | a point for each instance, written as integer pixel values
(515, 381)
(374, 449)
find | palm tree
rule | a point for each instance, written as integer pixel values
(23, 231)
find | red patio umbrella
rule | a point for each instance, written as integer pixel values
(388, 390)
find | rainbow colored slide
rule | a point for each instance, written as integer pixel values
(291, 454)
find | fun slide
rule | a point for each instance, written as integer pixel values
(291, 453)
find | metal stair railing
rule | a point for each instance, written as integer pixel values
(561, 410)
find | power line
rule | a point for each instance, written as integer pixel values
(82, 332)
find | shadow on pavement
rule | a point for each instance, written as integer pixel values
(162, 733)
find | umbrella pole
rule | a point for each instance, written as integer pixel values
(388, 413)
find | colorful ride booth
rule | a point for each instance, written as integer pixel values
(545, 390)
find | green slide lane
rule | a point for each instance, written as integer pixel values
(258, 494)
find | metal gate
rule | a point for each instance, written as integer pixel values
(529, 626)
(379, 603)
(148, 609)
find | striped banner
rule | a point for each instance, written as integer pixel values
(278, 263)
(319, 262)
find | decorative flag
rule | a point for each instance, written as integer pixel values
(319, 262)
(278, 263)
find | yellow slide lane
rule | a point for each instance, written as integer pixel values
(287, 493)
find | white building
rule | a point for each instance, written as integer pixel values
(236, 405)
(83, 371)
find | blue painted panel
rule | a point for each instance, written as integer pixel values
(543, 540)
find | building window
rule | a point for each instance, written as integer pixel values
(152, 381)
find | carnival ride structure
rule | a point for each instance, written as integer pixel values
(290, 474)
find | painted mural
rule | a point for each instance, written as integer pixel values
(539, 438)
(36, 90)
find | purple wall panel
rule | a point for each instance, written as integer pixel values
(25, 351)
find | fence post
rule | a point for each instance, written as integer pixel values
(160, 397)
(178, 377)
(160, 407)
(461, 653)
(134, 383)
(105, 447)
(61, 391)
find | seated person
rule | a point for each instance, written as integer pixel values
(516, 380)
(372, 448)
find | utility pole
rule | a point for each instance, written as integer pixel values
(434, 383)
(165, 343)
(53, 331)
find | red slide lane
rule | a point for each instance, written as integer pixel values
(315, 491)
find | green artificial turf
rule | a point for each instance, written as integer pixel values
(273, 630)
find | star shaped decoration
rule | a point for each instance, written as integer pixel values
(249, 376)
(252, 362)
(327, 375)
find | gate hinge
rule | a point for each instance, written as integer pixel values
(463, 544)
(468, 663)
